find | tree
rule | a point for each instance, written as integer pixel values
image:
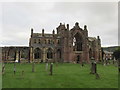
(116, 53)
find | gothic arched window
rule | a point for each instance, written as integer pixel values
(37, 53)
(49, 53)
(77, 42)
(59, 53)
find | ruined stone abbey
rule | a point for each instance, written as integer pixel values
(66, 45)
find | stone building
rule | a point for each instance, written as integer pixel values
(67, 45)
(108, 55)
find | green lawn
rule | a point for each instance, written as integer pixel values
(64, 76)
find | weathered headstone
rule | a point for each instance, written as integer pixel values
(14, 68)
(22, 73)
(113, 61)
(82, 64)
(92, 68)
(33, 67)
(46, 66)
(96, 74)
(95, 67)
(51, 68)
(3, 68)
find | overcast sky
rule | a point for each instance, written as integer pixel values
(18, 18)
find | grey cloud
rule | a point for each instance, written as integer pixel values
(101, 19)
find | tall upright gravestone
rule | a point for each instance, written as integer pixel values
(51, 68)
(14, 69)
(33, 67)
(94, 69)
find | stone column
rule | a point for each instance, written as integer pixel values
(17, 55)
(54, 56)
(31, 54)
(87, 54)
(44, 54)
(4, 56)
(7, 55)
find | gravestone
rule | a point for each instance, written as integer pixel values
(3, 69)
(22, 73)
(82, 64)
(46, 66)
(51, 68)
(33, 67)
(14, 68)
(113, 61)
(92, 68)
(95, 67)
(95, 71)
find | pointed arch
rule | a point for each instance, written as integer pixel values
(37, 53)
(77, 42)
(49, 53)
(58, 54)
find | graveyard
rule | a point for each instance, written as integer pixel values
(64, 75)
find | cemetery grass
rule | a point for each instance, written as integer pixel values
(65, 75)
